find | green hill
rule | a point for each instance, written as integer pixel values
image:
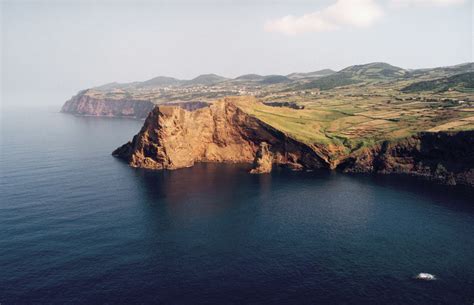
(442, 71)
(329, 82)
(249, 77)
(314, 74)
(274, 79)
(355, 74)
(376, 70)
(461, 82)
(206, 79)
(160, 81)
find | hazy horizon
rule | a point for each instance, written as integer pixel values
(59, 48)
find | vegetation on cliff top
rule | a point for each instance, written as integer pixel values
(355, 122)
(350, 109)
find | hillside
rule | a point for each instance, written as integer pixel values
(377, 70)
(354, 75)
(314, 74)
(160, 81)
(329, 82)
(205, 79)
(441, 71)
(374, 85)
(274, 79)
(249, 77)
(463, 82)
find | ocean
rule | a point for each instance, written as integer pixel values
(78, 226)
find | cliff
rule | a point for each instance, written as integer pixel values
(85, 104)
(446, 157)
(173, 137)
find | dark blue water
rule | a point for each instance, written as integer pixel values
(80, 227)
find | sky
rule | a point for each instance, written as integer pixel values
(56, 48)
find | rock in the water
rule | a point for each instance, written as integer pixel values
(263, 160)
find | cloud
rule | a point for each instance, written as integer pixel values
(355, 13)
(406, 3)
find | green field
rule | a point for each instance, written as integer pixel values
(358, 116)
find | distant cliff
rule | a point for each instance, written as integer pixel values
(172, 138)
(84, 104)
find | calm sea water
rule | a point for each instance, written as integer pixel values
(78, 226)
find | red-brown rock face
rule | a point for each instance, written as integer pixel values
(173, 138)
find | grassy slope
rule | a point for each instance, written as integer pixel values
(359, 116)
(461, 82)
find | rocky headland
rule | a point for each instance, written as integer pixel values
(173, 137)
(88, 105)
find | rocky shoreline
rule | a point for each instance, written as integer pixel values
(173, 138)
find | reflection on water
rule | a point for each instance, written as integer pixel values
(455, 197)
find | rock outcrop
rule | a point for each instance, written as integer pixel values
(84, 104)
(263, 160)
(173, 137)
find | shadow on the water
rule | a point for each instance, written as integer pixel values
(179, 184)
(214, 187)
(457, 197)
(219, 186)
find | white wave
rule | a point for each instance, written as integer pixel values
(425, 277)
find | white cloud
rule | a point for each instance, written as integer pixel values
(357, 13)
(406, 3)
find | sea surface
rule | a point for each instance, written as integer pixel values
(78, 226)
